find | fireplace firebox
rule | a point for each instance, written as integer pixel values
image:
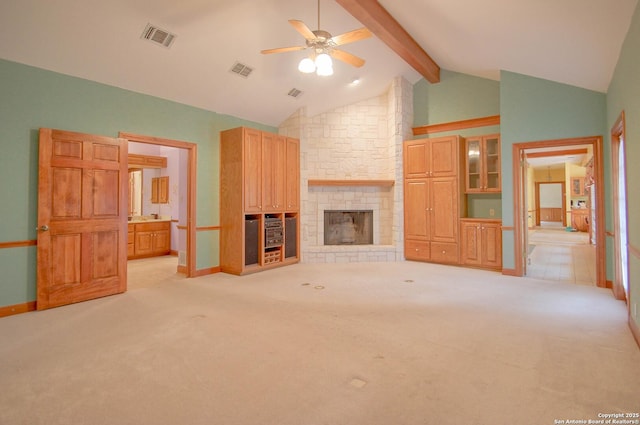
(348, 227)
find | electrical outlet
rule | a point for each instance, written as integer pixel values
(492, 212)
(635, 310)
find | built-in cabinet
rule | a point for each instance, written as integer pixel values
(439, 175)
(160, 190)
(148, 239)
(482, 164)
(481, 243)
(259, 200)
(432, 199)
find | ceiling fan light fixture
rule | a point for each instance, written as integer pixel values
(325, 71)
(324, 65)
(306, 66)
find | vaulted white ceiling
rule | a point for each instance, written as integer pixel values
(575, 42)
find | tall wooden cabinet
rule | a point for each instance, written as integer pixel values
(433, 199)
(259, 200)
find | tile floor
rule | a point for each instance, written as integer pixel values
(555, 254)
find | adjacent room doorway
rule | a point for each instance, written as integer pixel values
(523, 197)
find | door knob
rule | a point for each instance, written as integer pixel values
(43, 228)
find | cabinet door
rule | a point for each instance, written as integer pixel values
(492, 245)
(443, 205)
(416, 213)
(252, 170)
(471, 248)
(444, 157)
(473, 177)
(144, 243)
(273, 169)
(491, 164)
(416, 159)
(161, 241)
(292, 175)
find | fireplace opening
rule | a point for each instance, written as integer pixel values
(348, 227)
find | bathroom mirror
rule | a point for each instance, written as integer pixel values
(135, 191)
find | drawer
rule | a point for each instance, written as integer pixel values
(416, 250)
(444, 252)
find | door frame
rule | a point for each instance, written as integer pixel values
(518, 150)
(618, 131)
(192, 160)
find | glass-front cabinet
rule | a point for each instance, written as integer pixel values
(483, 164)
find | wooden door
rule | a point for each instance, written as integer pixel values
(82, 217)
(292, 175)
(444, 209)
(416, 209)
(252, 170)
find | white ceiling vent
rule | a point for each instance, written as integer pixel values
(241, 69)
(158, 36)
(294, 92)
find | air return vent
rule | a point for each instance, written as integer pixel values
(241, 69)
(294, 92)
(158, 36)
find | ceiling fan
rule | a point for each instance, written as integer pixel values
(322, 45)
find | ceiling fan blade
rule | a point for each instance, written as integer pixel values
(282, 49)
(303, 29)
(351, 36)
(347, 57)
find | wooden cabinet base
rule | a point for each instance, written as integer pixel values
(150, 239)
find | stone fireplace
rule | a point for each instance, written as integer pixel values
(345, 227)
(351, 160)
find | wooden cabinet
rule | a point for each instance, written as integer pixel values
(149, 239)
(146, 161)
(482, 165)
(481, 243)
(292, 175)
(259, 187)
(160, 190)
(580, 219)
(432, 199)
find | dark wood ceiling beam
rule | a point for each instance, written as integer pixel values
(380, 22)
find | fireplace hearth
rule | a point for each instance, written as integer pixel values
(348, 227)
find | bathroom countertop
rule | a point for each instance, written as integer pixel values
(145, 219)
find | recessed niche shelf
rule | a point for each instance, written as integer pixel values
(318, 182)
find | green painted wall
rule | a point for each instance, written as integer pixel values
(624, 95)
(456, 97)
(533, 109)
(31, 98)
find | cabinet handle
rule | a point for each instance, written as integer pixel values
(444, 252)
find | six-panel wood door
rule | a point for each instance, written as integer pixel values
(82, 217)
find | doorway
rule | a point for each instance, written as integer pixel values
(526, 156)
(186, 224)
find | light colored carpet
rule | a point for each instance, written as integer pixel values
(309, 344)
